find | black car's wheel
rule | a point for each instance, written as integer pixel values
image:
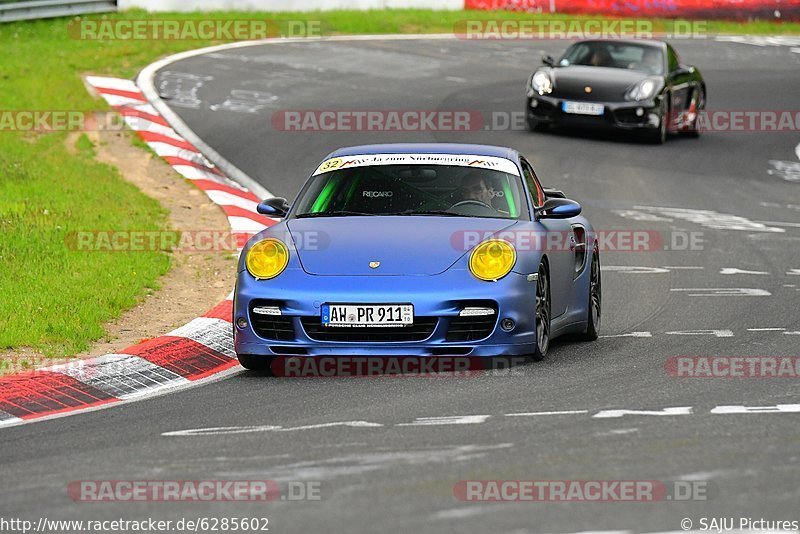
(532, 123)
(594, 311)
(542, 314)
(256, 363)
(659, 137)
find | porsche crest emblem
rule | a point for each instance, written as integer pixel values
(374, 264)
(587, 89)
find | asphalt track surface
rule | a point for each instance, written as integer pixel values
(399, 478)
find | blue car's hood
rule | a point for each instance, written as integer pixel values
(403, 245)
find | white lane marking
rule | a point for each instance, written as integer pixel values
(797, 148)
(471, 510)
(631, 334)
(780, 408)
(712, 219)
(456, 79)
(619, 432)
(793, 272)
(793, 333)
(448, 420)
(702, 476)
(8, 419)
(533, 414)
(632, 269)
(770, 329)
(760, 40)
(782, 223)
(678, 410)
(715, 333)
(637, 215)
(734, 270)
(351, 424)
(220, 430)
(687, 267)
(795, 50)
(724, 292)
(787, 170)
(224, 430)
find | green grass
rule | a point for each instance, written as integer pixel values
(55, 299)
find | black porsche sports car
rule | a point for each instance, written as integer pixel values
(631, 85)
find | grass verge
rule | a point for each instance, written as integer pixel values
(55, 299)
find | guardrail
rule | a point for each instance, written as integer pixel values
(43, 9)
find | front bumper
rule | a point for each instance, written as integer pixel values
(439, 298)
(619, 115)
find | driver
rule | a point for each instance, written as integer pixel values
(474, 189)
(651, 60)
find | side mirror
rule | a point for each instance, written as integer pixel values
(683, 70)
(273, 207)
(548, 60)
(559, 208)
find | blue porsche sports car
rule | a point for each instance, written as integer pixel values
(417, 250)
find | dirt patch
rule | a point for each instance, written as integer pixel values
(195, 283)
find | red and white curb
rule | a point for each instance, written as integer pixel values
(197, 351)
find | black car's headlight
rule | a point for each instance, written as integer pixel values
(647, 88)
(541, 82)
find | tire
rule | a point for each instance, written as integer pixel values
(543, 316)
(256, 363)
(659, 137)
(532, 123)
(595, 301)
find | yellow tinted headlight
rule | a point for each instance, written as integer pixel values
(267, 259)
(492, 259)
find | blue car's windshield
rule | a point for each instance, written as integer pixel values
(437, 190)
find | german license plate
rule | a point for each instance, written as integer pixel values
(367, 314)
(582, 108)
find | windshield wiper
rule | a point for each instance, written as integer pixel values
(336, 213)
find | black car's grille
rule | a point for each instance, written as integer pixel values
(470, 328)
(628, 116)
(421, 329)
(274, 327)
(577, 91)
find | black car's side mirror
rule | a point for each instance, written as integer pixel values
(683, 70)
(273, 207)
(548, 60)
(559, 208)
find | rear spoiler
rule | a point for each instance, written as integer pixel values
(550, 192)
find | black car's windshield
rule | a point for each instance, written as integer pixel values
(633, 56)
(418, 189)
